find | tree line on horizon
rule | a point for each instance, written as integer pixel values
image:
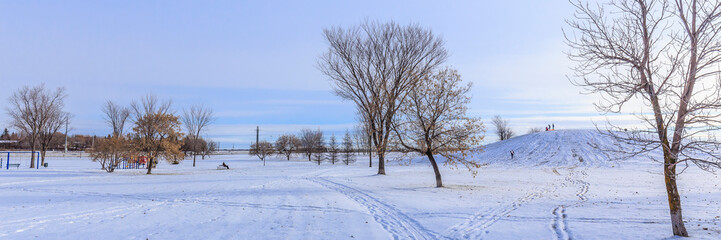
(311, 144)
(20, 141)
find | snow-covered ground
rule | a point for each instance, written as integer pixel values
(545, 192)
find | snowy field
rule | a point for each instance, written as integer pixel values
(546, 193)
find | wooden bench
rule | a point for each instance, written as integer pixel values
(16, 165)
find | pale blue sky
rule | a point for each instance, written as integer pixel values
(254, 62)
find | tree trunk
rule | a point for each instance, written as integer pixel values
(194, 155)
(370, 159)
(370, 153)
(42, 156)
(381, 163)
(150, 164)
(32, 155)
(674, 199)
(439, 183)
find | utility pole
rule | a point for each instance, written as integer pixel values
(66, 135)
(257, 134)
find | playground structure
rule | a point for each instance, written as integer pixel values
(17, 158)
(137, 162)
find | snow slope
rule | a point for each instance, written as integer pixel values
(554, 148)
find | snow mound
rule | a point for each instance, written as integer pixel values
(554, 148)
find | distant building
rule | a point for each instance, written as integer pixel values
(7, 143)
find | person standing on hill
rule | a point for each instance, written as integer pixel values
(512, 153)
(553, 126)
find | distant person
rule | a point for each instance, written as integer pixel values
(546, 129)
(512, 153)
(225, 165)
(553, 126)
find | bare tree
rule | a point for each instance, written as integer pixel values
(261, 149)
(114, 148)
(639, 49)
(364, 140)
(333, 149)
(535, 130)
(376, 65)
(33, 111)
(433, 120)
(210, 148)
(310, 141)
(54, 119)
(196, 119)
(286, 144)
(157, 131)
(110, 151)
(116, 116)
(503, 128)
(348, 150)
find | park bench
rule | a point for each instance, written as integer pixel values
(16, 165)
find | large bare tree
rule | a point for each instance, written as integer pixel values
(261, 149)
(157, 131)
(114, 148)
(116, 116)
(286, 144)
(376, 65)
(667, 53)
(35, 111)
(310, 141)
(503, 128)
(196, 119)
(54, 119)
(434, 121)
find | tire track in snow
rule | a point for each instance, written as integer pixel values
(559, 223)
(398, 224)
(475, 226)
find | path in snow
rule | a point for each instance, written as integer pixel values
(475, 226)
(559, 223)
(398, 224)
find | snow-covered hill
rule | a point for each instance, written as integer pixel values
(554, 148)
